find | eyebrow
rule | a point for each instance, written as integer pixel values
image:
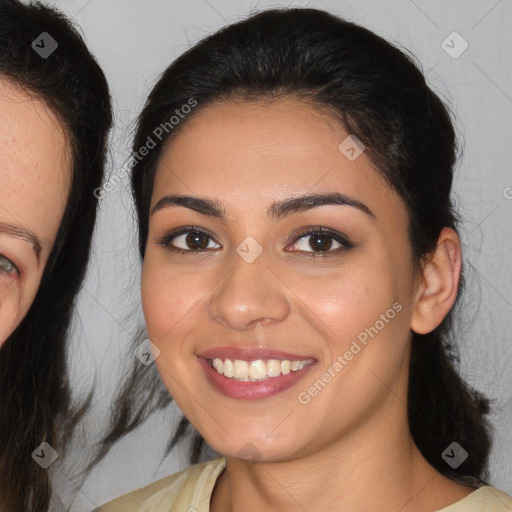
(22, 234)
(276, 211)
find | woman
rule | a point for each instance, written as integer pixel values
(300, 266)
(55, 115)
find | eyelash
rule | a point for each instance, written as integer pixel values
(10, 263)
(165, 241)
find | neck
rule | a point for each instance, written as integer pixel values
(378, 469)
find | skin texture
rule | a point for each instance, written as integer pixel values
(35, 177)
(353, 434)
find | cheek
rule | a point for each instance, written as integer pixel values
(10, 308)
(345, 303)
(364, 319)
(168, 299)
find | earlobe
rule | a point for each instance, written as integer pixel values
(438, 283)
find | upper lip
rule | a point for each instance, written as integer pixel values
(251, 354)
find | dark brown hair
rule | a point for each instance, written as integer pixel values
(35, 402)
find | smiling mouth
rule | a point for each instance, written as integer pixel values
(257, 370)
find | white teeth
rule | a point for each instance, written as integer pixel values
(241, 369)
(273, 368)
(256, 370)
(229, 369)
(218, 365)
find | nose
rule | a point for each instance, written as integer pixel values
(249, 295)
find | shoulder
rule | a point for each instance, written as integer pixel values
(486, 498)
(196, 481)
(498, 500)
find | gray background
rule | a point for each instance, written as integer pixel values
(134, 41)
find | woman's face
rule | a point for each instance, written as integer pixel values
(315, 326)
(34, 183)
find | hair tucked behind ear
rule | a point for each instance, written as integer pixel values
(377, 93)
(444, 409)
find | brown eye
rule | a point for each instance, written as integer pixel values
(321, 241)
(188, 240)
(196, 240)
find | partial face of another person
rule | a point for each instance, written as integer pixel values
(35, 175)
(273, 336)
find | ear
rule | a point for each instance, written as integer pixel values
(438, 283)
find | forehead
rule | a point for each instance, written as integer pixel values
(35, 162)
(245, 153)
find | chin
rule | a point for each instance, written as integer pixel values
(255, 448)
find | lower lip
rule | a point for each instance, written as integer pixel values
(243, 390)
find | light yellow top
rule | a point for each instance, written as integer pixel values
(190, 491)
